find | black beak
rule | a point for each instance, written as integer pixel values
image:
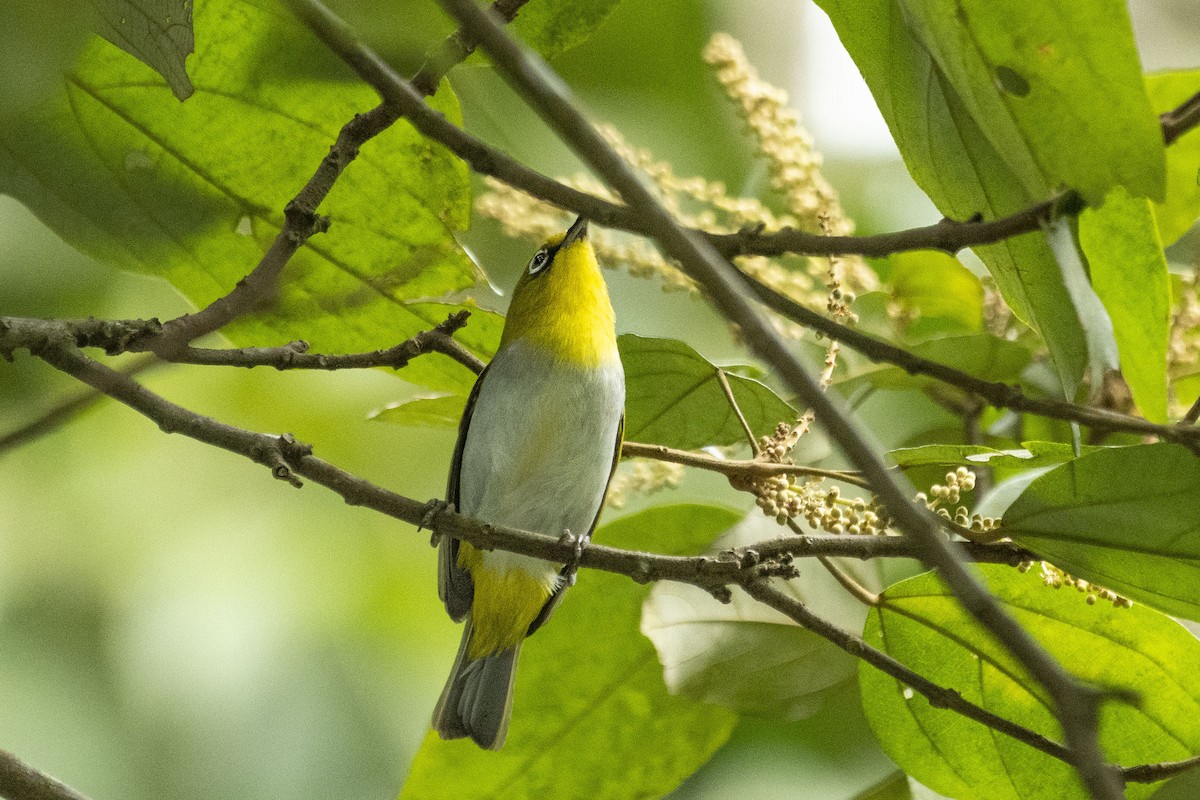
(576, 232)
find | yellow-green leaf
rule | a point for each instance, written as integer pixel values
(194, 192)
(1179, 211)
(1134, 651)
(1129, 273)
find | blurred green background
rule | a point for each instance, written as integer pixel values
(175, 623)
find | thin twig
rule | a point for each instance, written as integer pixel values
(19, 781)
(295, 355)
(1180, 119)
(733, 404)
(455, 48)
(1193, 414)
(856, 589)
(938, 696)
(735, 468)
(1077, 706)
(1153, 773)
(65, 411)
(862, 593)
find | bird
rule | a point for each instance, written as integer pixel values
(537, 446)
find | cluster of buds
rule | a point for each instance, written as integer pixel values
(943, 499)
(1056, 578)
(644, 476)
(959, 481)
(821, 506)
(777, 448)
(787, 497)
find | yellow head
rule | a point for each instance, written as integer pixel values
(561, 303)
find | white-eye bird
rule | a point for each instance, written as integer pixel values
(537, 447)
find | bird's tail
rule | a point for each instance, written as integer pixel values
(477, 700)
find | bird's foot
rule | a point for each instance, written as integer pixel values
(571, 568)
(429, 518)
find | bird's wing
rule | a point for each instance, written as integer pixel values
(567, 575)
(454, 583)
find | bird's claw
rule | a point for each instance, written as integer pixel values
(571, 568)
(432, 509)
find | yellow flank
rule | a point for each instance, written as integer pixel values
(505, 604)
(565, 309)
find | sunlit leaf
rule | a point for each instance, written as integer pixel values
(673, 397)
(1182, 205)
(156, 32)
(1129, 273)
(591, 716)
(1125, 518)
(745, 655)
(1036, 73)
(194, 192)
(936, 287)
(1134, 650)
(443, 411)
(555, 26)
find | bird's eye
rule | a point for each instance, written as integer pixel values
(538, 262)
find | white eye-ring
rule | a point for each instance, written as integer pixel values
(538, 262)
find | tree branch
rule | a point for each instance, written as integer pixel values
(290, 460)
(295, 355)
(1076, 705)
(455, 49)
(1152, 773)
(19, 781)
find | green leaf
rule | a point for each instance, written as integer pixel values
(1126, 518)
(1134, 650)
(194, 192)
(1032, 454)
(554, 26)
(935, 286)
(443, 411)
(156, 32)
(591, 716)
(746, 656)
(934, 87)
(673, 398)
(1129, 273)
(1036, 73)
(1178, 212)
